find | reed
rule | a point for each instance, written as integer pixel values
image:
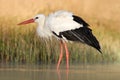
(20, 44)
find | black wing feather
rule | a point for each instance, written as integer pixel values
(83, 35)
(80, 20)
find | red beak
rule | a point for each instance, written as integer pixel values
(27, 22)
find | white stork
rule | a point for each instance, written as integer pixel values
(66, 27)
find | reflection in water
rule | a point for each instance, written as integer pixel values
(76, 72)
(59, 74)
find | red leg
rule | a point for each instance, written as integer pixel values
(67, 55)
(61, 54)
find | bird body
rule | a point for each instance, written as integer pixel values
(62, 21)
(66, 27)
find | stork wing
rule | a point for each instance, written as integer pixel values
(84, 35)
(73, 28)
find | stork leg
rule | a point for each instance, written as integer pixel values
(61, 54)
(67, 55)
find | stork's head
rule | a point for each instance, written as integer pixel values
(38, 19)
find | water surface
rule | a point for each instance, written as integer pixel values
(45, 72)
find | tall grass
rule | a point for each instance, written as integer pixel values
(20, 44)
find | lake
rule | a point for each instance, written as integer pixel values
(49, 72)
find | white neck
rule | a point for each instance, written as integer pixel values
(43, 30)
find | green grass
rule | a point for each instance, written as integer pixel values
(20, 44)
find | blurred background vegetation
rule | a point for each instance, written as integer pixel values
(21, 44)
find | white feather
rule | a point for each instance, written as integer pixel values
(42, 30)
(61, 21)
(58, 22)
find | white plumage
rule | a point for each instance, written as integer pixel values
(61, 21)
(57, 22)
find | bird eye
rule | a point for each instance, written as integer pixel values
(36, 18)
